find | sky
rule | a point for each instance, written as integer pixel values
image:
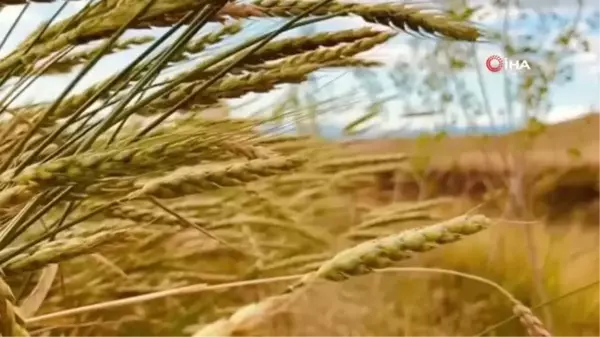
(404, 58)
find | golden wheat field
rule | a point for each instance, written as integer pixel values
(139, 205)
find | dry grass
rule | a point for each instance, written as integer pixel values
(130, 211)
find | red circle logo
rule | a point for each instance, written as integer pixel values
(494, 63)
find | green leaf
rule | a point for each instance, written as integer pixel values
(353, 127)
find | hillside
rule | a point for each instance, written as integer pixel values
(567, 144)
(561, 166)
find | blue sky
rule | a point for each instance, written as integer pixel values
(575, 98)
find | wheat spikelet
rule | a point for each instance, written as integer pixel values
(61, 250)
(191, 180)
(349, 62)
(199, 44)
(380, 253)
(277, 50)
(334, 165)
(43, 33)
(49, 149)
(74, 235)
(352, 62)
(227, 128)
(68, 62)
(88, 167)
(196, 46)
(233, 86)
(532, 324)
(14, 195)
(141, 215)
(400, 16)
(88, 229)
(326, 55)
(168, 13)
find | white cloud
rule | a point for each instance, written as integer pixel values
(568, 112)
(388, 54)
(585, 59)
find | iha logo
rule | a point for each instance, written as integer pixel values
(495, 64)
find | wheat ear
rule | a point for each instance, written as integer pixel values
(532, 323)
(61, 250)
(191, 180)
(380, 253)
(400, 16)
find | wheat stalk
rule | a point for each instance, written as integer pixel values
(11, 322)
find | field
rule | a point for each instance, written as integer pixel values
(133, 207)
